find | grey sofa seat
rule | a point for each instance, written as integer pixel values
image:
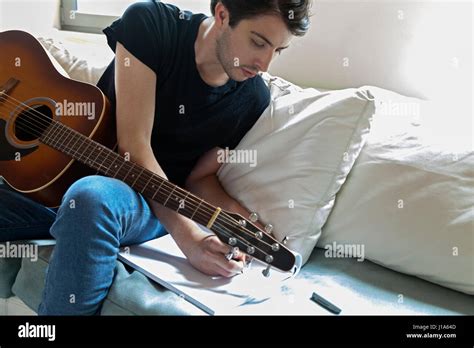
(9, 268)
(364, 288)
(130, 294)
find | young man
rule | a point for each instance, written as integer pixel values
(183, 85)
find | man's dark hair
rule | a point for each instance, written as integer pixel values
(295, 13)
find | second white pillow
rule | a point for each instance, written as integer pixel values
(305, 144)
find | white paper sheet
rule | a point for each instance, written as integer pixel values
(249, 293)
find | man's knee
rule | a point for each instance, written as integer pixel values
(94, 193)
(94, 204)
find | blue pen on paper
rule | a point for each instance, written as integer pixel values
(325, 303)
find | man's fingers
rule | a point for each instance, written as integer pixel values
(223, 272)
(240, 256)
(219, 247)
(221, 252)
(231, 266)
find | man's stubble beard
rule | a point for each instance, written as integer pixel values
(227, 63)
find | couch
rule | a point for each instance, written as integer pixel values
(380, 286)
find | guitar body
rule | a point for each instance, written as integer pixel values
(26, 164)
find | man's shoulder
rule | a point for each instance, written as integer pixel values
(253, 95)
(261, 91)
(151, 7)
(155, 11)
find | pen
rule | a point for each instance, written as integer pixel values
(325, 303)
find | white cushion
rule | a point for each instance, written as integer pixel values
(306, 143)
(53, 59)
(409, 198)
(80, 61)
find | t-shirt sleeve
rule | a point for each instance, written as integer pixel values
(261, 100)
(142, 30)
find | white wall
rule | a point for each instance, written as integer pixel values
(34, 16)
(417, 48)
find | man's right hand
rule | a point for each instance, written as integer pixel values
(207, 254)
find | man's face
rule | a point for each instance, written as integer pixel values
(251, 45)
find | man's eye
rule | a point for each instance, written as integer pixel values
(257, 44)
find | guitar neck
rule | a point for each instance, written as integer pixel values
(111, 164)
(230, 228)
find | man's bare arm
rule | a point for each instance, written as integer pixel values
(135, 85)
(203, 182)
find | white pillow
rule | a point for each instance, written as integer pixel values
(306, 143)
(53, 60)
(409, 198)
(81, 65)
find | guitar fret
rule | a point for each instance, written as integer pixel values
(137, 177)
(169, 196)
(51, 133)
(131, 168)
(200, 202)
(77, 138)
(144, 187)
(111, 164)
(45, 135)
(65, 148)
(184, 200)
(62, 133)
(58, 139)
(103, 160)
(87, 149)
(53, 136)
(162, 181)
(96, 148)
(123, 162)
(80, 151)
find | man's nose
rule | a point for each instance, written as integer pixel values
(265, 61)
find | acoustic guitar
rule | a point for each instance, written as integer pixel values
(54, 130)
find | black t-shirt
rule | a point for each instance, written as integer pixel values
(191, 117)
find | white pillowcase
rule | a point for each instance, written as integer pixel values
(409, 199)
(306, 143)
(53, 59)
(82, 65)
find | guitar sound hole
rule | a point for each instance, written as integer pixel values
(31, 123)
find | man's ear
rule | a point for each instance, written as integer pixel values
(221, 14)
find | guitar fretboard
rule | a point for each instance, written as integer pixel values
(111, 164)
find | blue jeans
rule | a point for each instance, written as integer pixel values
(97, 215)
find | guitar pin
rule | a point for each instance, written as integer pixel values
(230, 255)
(269, 260)
(253, 217)
(269, 228)
(266, 271)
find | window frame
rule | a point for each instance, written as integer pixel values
(83, 22)
(89, 22)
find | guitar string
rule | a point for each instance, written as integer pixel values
(227, 218)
